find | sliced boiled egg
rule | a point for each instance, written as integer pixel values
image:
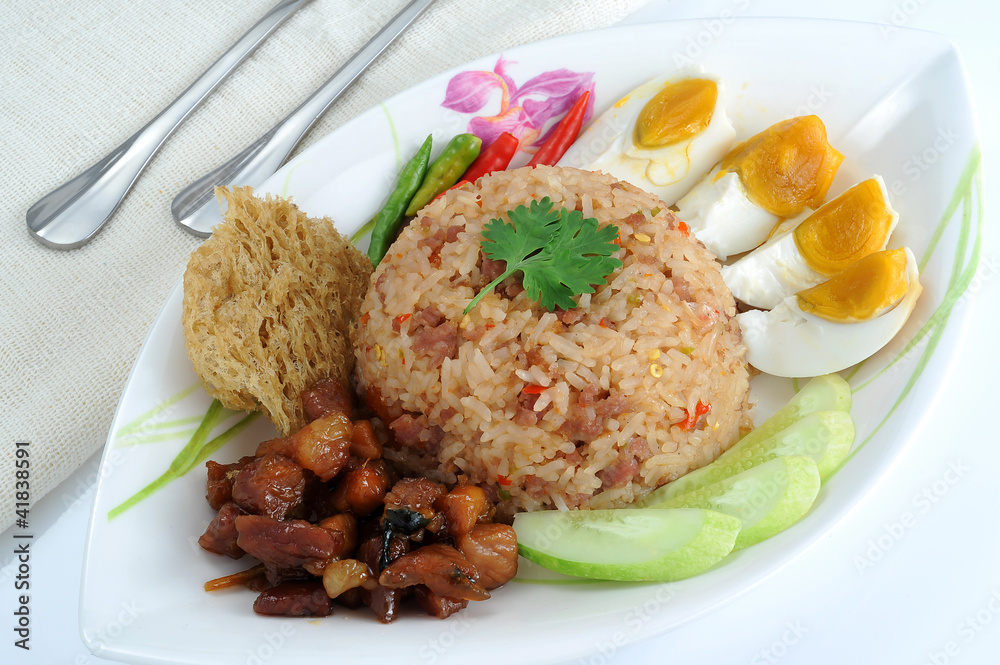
(835, 324)
(842, 231)
(775, 174)
(661, 137)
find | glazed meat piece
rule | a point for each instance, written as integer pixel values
(364, 443)
(437, 605)
(492, 549)
(220, 480)
(383, 601)
(415, 494)
(385, 412)
(322, 446)
(462, 507)
(271, 485)
(294, 599)
(325, 397)
(441, 568)
(220, 536)
(344, 528)
(285, 543)
(362, 487)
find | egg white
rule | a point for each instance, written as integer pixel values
(789, 342)
(776, 269)
(722, 216)
(669, 171)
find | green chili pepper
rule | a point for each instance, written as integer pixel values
(456, 157)
(387, 222)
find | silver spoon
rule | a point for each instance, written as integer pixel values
(195, 208)
(73, 213)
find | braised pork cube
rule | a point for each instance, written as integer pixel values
(220, 480)
(437, 605)
(327, 396)
(439, 567)
(362, 486)
(462, 508)
(364, 443)
(294, 599)
(271, 485)
(492, 549)
(322, 446)
(286, 543)
(221, 534)
(383, 601)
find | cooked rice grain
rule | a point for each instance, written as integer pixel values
(608, 389)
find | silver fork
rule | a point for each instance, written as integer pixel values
(195, 208)
(73, 213)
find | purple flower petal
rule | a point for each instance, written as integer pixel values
(500, 70)
(514, 120)
(468, 92)
(557, 90)
(587, 114)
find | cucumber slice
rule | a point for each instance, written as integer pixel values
(626, 544)
(767, 499)
(825, 436)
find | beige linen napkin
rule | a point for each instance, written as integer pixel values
(79, 78)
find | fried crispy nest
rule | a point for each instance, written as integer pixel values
(268, 304)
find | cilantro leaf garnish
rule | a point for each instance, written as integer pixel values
(559, 254)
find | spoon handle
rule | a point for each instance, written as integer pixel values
(195, 208)
(73, 213)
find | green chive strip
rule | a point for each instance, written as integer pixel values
(195, 452)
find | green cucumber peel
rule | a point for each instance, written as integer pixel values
(631, 545)
(767, 499)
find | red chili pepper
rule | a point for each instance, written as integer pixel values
(534, 390)
(564, 135)
(691, 420)
(496, 157)
(503, 480)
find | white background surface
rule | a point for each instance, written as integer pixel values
(931, 531)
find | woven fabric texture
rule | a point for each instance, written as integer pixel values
(80, 78)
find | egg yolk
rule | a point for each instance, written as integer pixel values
(845, 230)
(680, 111)
(787, 167)
(870, 287)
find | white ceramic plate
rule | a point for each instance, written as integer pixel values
(896, 105)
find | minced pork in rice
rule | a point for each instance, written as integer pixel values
(591, 407)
